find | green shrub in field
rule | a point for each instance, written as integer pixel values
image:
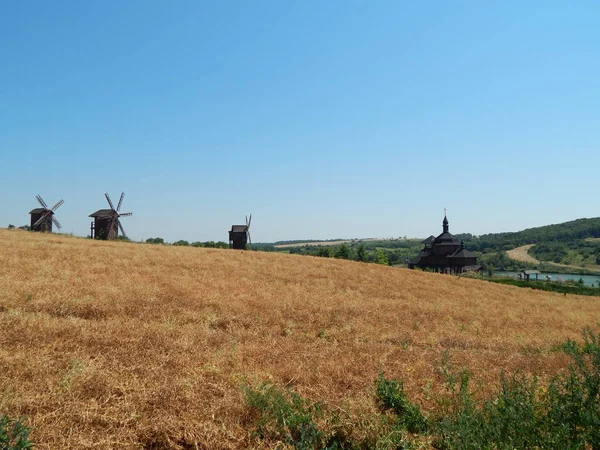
(13, 434)
(574, 398)
(286, 416)
(391, 395)
(511, 419)
(521, 414)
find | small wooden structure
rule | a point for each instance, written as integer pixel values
(526, 274)
(106, 224)
(239, 235)
(43, 218)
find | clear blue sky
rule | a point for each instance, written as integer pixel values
(323, 119)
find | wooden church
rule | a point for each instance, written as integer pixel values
(445, 253)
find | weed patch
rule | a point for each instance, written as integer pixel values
(14, 435)
(521, 414)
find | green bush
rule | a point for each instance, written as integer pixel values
(521, 414)
(391, 395)
(14, 435)
(508, 420)
(283, 416)
(574, 398)
(286, 416)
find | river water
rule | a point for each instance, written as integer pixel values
(588, 280)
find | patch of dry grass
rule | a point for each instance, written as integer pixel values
(121, 345)
(521, 254)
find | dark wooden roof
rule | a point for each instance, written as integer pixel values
(102, 213)
(531, 272)
(429, 240)
(446, 238)
(462, 253)
(239, 228)
(37, 210)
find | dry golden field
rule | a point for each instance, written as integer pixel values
(521, 254)
(119, 345)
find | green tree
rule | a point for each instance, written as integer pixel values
(156, 240)
(343, 251)
(181, 243)
(361, 254)
(324, 252)
(10, 226)
(381, 257)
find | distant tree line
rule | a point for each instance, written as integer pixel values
(357, 251)
(564, 232)
(22, 227)
(182, 243)
(562, 243)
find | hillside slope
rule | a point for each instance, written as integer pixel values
(520, 254)
(561, 232)
(120, 345)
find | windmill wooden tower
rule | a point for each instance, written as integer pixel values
(239, 236)
(43, 218)
(107, 223)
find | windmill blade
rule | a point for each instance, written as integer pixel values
(56, 222)
(249, 240)
(112, 229)
(248, 224)
(121, 228)
(58, 204)
(109, 202)
(41, 200)
(40, 220)
(120, 201)
(125, 214)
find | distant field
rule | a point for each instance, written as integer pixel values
(118, 345)
(520, 254)
(316, 243)
(329, 243)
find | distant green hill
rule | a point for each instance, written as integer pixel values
(575, 243)
(579, 229)
(571, 243)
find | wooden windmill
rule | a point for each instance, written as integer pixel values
(239, 236)
(43, 218)
(107, 223)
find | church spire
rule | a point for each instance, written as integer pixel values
(445, 222)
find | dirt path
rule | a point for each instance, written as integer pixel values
(520, 254)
